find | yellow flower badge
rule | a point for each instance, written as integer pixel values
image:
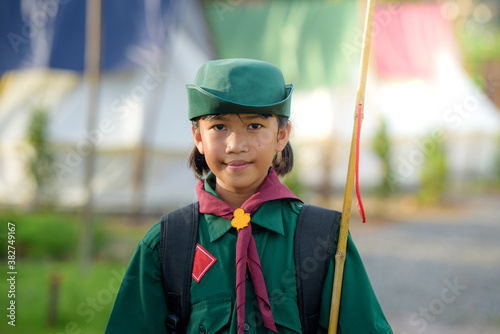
(241, 219)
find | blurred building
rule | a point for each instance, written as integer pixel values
(416, 84)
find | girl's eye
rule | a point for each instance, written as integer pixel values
(254, 126)
(219, 127)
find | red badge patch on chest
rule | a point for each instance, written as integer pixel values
(203, 260)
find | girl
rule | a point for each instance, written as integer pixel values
(244, 276)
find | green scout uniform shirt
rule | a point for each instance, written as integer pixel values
(140, 306)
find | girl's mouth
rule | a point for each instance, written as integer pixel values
(237, 165)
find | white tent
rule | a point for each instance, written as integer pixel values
(145, 105)
(418, 86)
(153, 97)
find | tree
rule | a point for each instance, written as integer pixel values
(382, 148)
(40, 162)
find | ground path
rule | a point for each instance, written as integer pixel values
(437, 273)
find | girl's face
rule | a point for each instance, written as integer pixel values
(239, 149)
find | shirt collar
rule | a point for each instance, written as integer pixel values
(217, 226)
(268, 215)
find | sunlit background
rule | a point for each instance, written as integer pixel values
(94, 141)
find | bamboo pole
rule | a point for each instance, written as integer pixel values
(340, 255)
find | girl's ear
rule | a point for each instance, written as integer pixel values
(197, 140)
(283, 137)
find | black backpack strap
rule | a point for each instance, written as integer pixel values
(314, 245)
(179, 232)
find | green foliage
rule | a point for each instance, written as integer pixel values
(40, 162)
(47, 238)
(84, 300)
(434, 172)
(481, 42)
(48, 235)
(46, 246)
(382, 148)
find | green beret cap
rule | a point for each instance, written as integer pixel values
(238, 86)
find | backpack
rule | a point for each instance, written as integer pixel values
(316, 230)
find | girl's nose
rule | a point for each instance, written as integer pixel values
(236, 143)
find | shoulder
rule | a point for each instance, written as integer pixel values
(293, 206)
(310, 212)
(315, 220)
(152, 237)
(320, 212)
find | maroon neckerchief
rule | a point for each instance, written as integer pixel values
(246, 250)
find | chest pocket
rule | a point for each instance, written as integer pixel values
(216, 316)
(210, 316)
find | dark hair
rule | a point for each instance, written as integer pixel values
(282, 161)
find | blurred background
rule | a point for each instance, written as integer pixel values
(94, 141)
